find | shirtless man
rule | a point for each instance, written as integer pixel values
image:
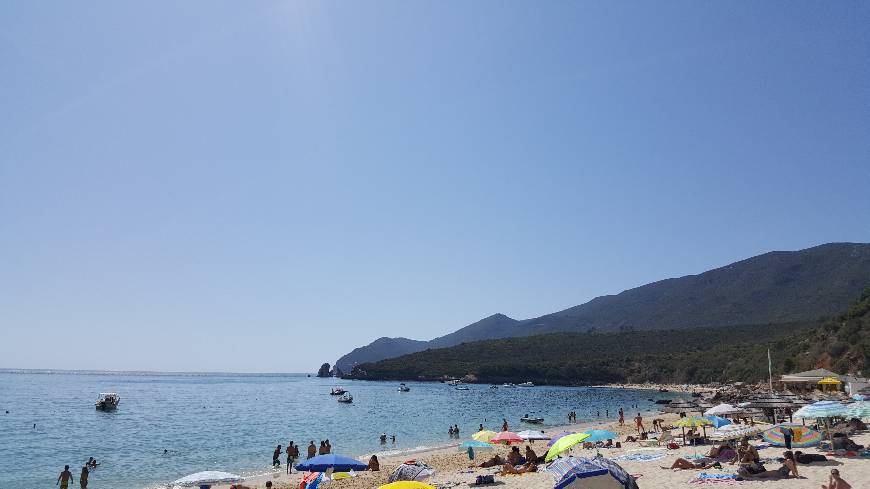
(835, 482)
(83, 479)
(312, 450)
(621, 417)
(64, 478)
(638, 421)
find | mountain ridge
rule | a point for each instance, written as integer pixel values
(773, 287)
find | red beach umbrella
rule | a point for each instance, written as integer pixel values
(507, 437)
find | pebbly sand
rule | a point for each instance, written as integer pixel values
(452, 467)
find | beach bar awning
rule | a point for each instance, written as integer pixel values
(829, 381)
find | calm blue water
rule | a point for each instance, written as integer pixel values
(234, 421)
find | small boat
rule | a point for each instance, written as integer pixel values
(338, 391)
(526, 384)
(531, 419)
(509, 386)
(663, 401)
(493, 386)
(346, 398)
(404, 388)
(663, 390)
(107, 401)
(454, 382)
(461, 388)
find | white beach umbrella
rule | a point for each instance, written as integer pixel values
(722, 410)
(737, 431)
(206, 478)
(532, 435)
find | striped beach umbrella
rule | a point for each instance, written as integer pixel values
(821, 409)
(859, 409)
(736, 431)
(804, 436)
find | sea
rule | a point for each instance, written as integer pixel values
(169, 425)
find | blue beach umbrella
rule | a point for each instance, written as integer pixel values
(476, 445)
(717, 421)
(338, 463)
(600, 435)
(821, 409)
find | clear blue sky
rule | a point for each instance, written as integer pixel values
(262, 186)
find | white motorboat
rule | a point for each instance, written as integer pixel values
(346, 398)
(454, 382)
(337, 391)
(107, 401)
(462, 388)
(404, 388)
(509, 386)
(527, 384)
(531, 419)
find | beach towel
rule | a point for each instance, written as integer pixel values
(707, 478)
(639, 457)
(311, 480)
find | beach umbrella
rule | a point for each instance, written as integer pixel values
(532, 435)
(484, 435)
(506, 437)
(682, 406)
(476, 445)
(600, 435)
(722, 410)
(693, 422)
(736, 431)
(556, 437)
(858, 410)
(804, 436)
(332, 461)
(406, 485)
(717, 421)
(859, 397)
(207, 478)
(563, 444)
(821, 409)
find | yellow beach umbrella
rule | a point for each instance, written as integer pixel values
(564, 443)
(406, 485)
(484, 435)
(829, 381)
(693, 422)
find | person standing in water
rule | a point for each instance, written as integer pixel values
(638, 421)
(312, 450)
(83, 478)
(276, 457)
(292, 455)
(64, 478)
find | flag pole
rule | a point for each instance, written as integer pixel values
(769, 371)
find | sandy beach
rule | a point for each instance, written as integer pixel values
(452, 466)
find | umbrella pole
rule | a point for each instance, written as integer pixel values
(684, 436)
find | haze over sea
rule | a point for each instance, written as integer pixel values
(234, 421)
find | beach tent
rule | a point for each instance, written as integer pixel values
(412, 471)
(584, 473)
(532, 435)
(337, 463)
(804, 436)
(207, 478)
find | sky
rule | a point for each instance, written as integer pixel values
(263, 186)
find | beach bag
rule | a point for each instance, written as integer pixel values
(484, 479)
(673, 446)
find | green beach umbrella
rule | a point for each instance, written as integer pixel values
(564, 443)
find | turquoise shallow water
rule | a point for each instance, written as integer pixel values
(234, 421)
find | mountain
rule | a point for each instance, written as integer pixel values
(674, 356)
(776, 287)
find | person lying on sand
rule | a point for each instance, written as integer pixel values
(510, 469)
(493, 462)
(835, 482)
(808, 458)
(683, 464)
(789, 468)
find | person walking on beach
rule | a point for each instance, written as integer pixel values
(638, 421)
(64, 478)
(312, 450)
(276, 457)
(621, 417)
(83, 478)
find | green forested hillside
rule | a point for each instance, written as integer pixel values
(696, 356)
